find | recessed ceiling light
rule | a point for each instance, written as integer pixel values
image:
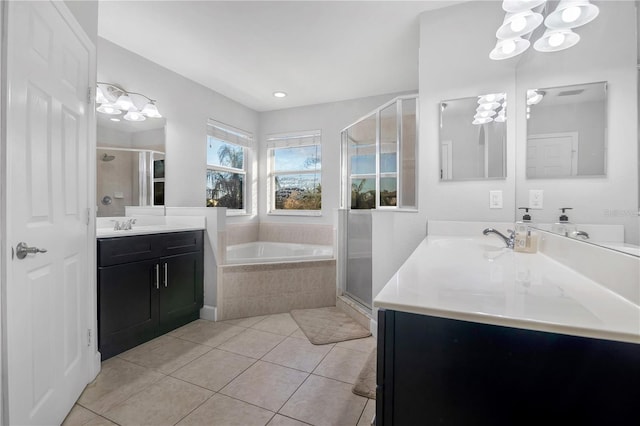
(279, 94)
(115, 119)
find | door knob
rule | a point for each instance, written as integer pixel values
(22, 250)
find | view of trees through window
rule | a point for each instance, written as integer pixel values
(225, 174)
(297, 178)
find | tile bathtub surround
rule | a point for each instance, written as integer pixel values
(283, 386)
(296, 233)
(250, 290)
(240, 233)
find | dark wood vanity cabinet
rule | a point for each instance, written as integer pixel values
(438, 371)
(147, 285)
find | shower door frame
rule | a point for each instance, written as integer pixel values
(345, 186)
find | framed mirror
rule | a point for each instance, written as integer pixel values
(473, 138)
(130, 164)
(567, 131)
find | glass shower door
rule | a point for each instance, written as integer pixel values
(359, 144)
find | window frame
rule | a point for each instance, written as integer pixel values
(238, 138)
(399, 174)
(291, 140)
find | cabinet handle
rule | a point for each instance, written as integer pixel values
(157, 276)
(166, 268)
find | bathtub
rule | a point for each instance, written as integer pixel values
(270, 252)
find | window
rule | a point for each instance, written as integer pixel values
(227, 150)
(295, 173)
(379, 158)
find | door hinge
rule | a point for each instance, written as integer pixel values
(88, 337)
(89, 95)
(88, 216)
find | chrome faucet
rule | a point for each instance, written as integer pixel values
(581, 234)
(125, 225)
(509, 241)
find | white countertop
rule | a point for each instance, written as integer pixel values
(149, 225)
(476, 279)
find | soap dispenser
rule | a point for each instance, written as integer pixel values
(526, 240)
(563, 226)
(526, 218)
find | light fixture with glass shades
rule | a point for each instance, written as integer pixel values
(491, 107)
(114, 100)
(556, 40)
(534, 96)
(571, 14)
(524, 16)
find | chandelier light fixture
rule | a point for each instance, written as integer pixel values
(524, 16)
(491, 107)
(114, 100)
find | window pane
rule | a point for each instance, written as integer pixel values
(408, 160)
(363, 164)
(297, 158)
(363, 193)
(225, 189)
(298, 192)
(388, 162)
(388, 192)
(220, 153)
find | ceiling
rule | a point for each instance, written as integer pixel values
(315, 51)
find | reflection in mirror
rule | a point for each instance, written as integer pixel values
(473, 138)
(566, 131)
(130, 164)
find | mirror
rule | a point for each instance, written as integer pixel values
(567, 131)
(130, 164)
(600, 183)
(473, 138)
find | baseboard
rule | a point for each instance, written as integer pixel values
(209, 313)
(350, 308)
(96, 365)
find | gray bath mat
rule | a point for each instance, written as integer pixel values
(328, 325)
(366, 383)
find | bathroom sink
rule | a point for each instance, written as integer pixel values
(145, 229)
(478, 279)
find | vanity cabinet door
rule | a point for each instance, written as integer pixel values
(127, 306)
(181, 290)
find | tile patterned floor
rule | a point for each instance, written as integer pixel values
(253, 371)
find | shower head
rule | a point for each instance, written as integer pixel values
(107, 157)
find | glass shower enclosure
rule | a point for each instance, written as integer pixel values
(378, 160)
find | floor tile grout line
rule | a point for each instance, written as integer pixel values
(200, 405)
(291, 396)
(90, 410)
(248, 403)
(234, 377)
(362, 412)
(132, 394)
(221, 343)
(293, 418)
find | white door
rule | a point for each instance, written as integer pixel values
(446, 160)
(47, 138)
(553, 155)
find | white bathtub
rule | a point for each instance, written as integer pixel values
(269, 252)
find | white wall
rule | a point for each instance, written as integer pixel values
(454, 63)
(607, 52)
(186, 106)
(86, 13)
(330, 118)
